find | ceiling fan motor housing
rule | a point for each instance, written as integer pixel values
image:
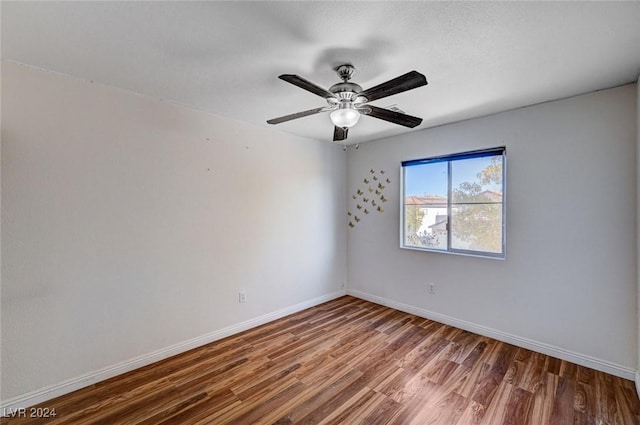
(345, 87)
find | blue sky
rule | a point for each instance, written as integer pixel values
(431, 179)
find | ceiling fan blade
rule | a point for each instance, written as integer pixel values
(394, 117)
(408, 81)
(295, 116)
(307, 85)
(340, 133)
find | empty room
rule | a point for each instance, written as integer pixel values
(319, 212)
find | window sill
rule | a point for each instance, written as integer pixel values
(461, 253)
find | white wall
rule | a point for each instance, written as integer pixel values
(129, 226)
(568, 285)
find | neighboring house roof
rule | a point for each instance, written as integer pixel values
(441, 201)
(440, 224)
(492, 195)
(426, 200)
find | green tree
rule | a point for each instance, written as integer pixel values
(413, 219)
(477, 211)
(492, 173)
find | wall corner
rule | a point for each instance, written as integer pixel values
(638, 232)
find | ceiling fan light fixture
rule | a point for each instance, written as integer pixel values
(345, 116)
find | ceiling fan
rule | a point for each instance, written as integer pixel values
(347, 101)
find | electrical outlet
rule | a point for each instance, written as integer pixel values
(242, 297)
(432, 288)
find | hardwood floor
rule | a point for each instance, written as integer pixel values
(350, 361)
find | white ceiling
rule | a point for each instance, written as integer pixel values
(224, 57)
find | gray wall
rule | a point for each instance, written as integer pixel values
(568, 285)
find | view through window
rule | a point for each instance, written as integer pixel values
(455, 203)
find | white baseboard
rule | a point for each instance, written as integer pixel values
(47, 393)
(540, 347)
(638, 383)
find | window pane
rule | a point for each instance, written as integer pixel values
(455, 203)
(477, 227)
(477, 180)
(425, 206)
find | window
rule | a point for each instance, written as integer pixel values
(455, 203)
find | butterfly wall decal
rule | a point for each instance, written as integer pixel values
(369, 201)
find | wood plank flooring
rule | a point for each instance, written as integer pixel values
(350, 361)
